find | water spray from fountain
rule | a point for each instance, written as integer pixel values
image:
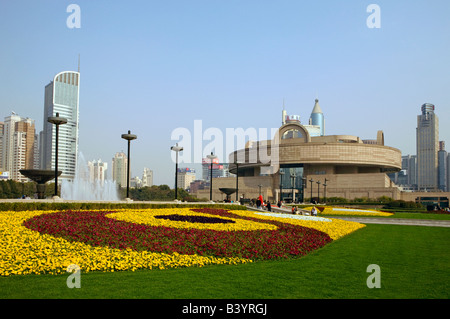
(82, 188)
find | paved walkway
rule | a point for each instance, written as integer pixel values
(375, 220)
(397, 221)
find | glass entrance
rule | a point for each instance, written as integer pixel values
(292, 184)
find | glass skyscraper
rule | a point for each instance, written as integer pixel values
(317, 118)
(62, 96)
(427, 142)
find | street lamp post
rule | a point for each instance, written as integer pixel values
(293, 176)
(311, 180)
(281, 185)
(211, 157)
(325, 190)
(57, 121)
(260, 186)
(303, 189)
(318, 191)
(237, 180)
(129, 137)
(176, 149)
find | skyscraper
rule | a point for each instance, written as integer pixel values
(62, 96)
(317, 118)
(218, 169)
(427, 142)
(442, 167)
(119, 169)
(448, 173)
(97, 171)
(410, 167)
(147, 177)
(185, 177)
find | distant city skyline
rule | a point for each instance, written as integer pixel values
(153, 67)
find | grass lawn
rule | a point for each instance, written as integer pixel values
(426, 216)
(414, 263)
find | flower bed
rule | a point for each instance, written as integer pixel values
(41, 242)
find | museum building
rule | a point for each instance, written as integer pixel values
(304, 163)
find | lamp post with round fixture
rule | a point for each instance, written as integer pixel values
(318, 192)
(311, 180)
(129, 137)
(325, 190)
(281, 184)
(211, 157)
(237, 179)
(293, 176)
(56, 120)
(303, 189)
(176, 149)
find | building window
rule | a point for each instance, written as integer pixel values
(292, 134)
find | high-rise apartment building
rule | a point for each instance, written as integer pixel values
(17, 146)
(97, 171)
(448, 173)
(185, 176)
(407, 176)
(147, 177)
(442, 167)
(427, 142)
(119, 169)
(62, 96)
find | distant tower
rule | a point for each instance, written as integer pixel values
(317, 118)
(427, 140)
(119, 169)
(17, 145)
(283, 115)
(62, 96)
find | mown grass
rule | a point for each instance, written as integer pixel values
(426, 216)
(414, 263)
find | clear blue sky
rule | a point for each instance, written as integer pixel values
(154, 66)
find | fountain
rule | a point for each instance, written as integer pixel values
(40, 176)
(228, 192)
(81, 188)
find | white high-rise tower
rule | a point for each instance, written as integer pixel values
(62, 96)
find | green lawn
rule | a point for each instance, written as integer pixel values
(398, 215)
(414, 262)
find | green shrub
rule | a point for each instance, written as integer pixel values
(36, 205)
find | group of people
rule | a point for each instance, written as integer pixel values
(260, 203)
(313, 210)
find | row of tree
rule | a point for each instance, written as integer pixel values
(13, 189)
(158, 193)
